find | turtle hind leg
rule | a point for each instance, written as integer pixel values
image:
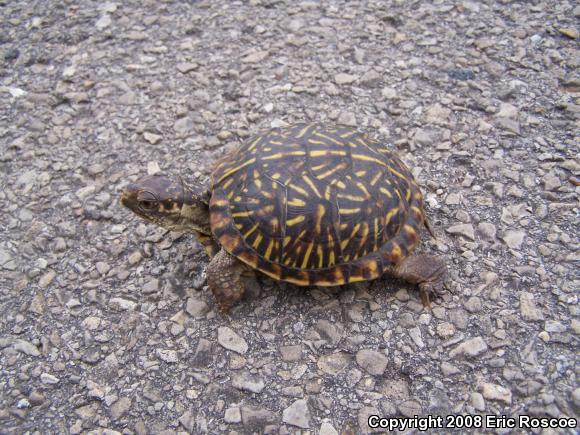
(224, 279)
(427, 271)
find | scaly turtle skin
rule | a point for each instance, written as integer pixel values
(307, 204)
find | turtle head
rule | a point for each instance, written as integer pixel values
(169, 202)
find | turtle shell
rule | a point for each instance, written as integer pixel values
(315, 205)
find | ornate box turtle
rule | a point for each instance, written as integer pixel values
(307, 204)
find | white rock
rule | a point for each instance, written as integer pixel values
(297, 414)
(496, 392)
(232, 341)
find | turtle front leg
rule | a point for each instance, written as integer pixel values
(427, 271)
(224, 279)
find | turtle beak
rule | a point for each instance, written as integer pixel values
(129, 196)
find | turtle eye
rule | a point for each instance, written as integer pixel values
(147, 204)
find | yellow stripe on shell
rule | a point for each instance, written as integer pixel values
(319, 153)
(251, 230)
(331, 171)
(331, 139)
(308, 181)
(257, 241)
(296, 220)
(268, 252)
(387, 192)
(281, 155)
(296, 202)
(298, 189)
(307, 255)
(320, 254)
(237, 168)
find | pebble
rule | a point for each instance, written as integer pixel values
(344, 79)
(334, 363)
(255, 419)
(327, 429)
(232, 341)
(135, 258)
(26, 347)
(47, 378)
(120, 407)
(297, 414)
(514, 238)
(554, 326)
(233, 415)
(528, 307)
(248, 382)
(151, 286)
(255, 57)
(291, 353)
(410, 408)
(196, 308)
(167, 355)
(46, 279)
(123, 304)
(375, 363)
(470, 348)
(496, 392)
(465, 230)
(487, 231)
(477, 402)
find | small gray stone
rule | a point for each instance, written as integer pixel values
(514, 238)
(389, 93)
(426, 137)
(507, 110)
(449, 369)
(334, 363)
(151, 286)
(187, 420)
(186, 67)
(291, 353)
(152, 138)
(496, 392)
(347, 118)
(120, 407)
(344, 79)
(26, 347)
(196, 307)
(510, 125)
(255, 57)
(473, 304)
(247, 381)
(232, 341)
(470, 348)
(183, 126)
(528, 307)
(47, 378)
(463, 230)
(478, 402)
(372, 361)
(122, 304)
(327, 429)
(202, 356)
(46, 279)
(255, 419)
(233, 415)
(487, 231)
(297, 414)
(410, 408)
(363, 418)
(554, 326)
(103, 22)
(576, 397)
(329, 331)
(167, 355)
